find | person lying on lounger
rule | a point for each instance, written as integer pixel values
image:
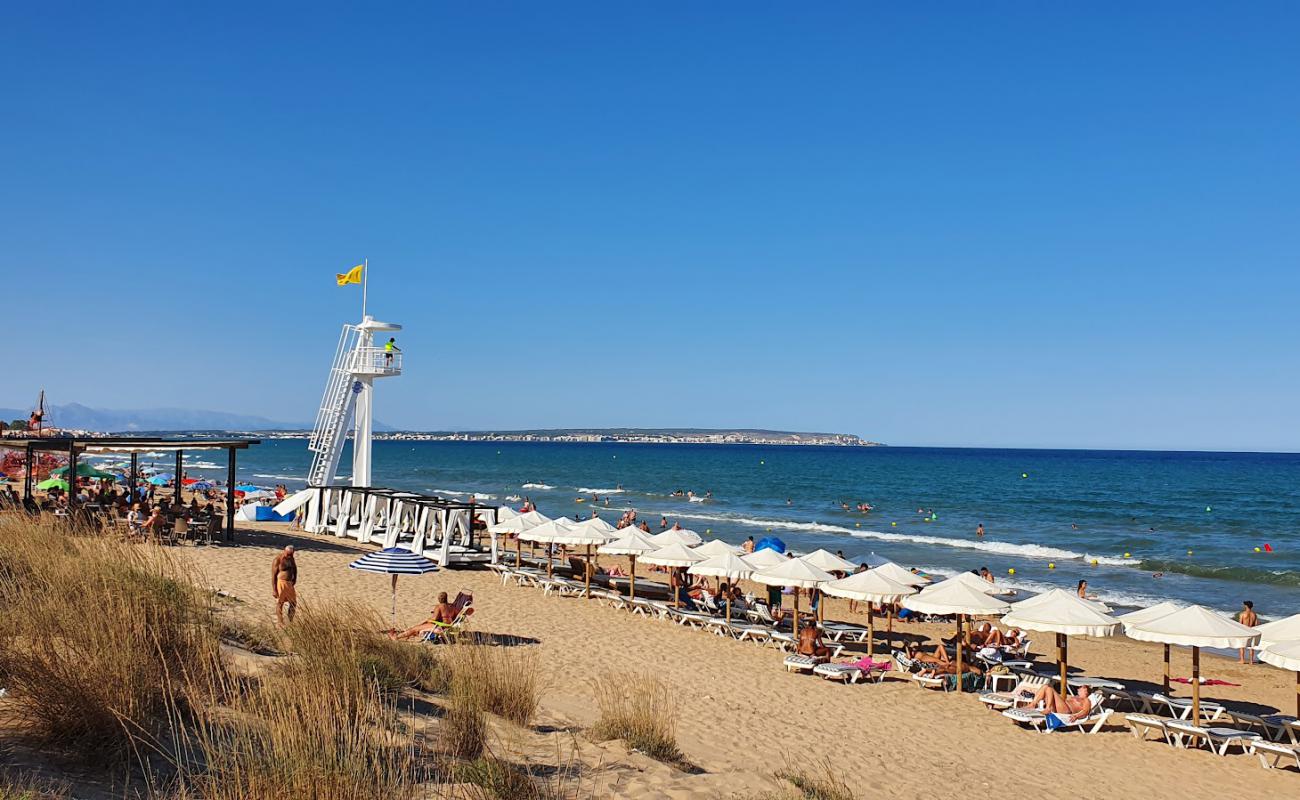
(997, 638)
(940, 655)
(442, 616)
(810, 643)
(1071, 707)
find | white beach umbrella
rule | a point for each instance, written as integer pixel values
(717, 547)
(726, 565)
(506, 512)
(677, 536)
(899, 574)
(1285, 655)
(767, 557)
(673, 555)
(869, 586)
(631, 543)
(826, 560)
(1145, 614)
(796, 574)
(583, 534)
(1286, 629)
(600, 526)
(546, 533)
(1195, 627)
(956, 598)
(519, 522)
(1064, 614)
(973, 581)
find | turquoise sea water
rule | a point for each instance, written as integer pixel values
(1150, 506)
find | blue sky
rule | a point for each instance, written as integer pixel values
(1014, 224)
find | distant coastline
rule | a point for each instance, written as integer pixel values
(629, 435)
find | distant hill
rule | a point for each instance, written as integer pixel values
(75, 415)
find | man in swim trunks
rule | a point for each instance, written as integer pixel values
(284, 580)
(1073, 707)
(442, 616)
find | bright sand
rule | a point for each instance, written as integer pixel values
(741, 716)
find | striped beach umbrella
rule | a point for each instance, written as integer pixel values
(394, 561)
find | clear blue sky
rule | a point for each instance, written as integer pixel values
(973, 224)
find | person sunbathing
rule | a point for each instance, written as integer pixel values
(997, 638)
(940, 655)
(1071, 707)
(810, 644)
(443, 616)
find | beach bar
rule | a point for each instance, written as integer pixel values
(75, 447)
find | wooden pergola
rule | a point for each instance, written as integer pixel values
(76, 446)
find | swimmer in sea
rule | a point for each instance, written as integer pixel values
(788, 501)
(979, 529)
(1157, 574)
(1074, 526)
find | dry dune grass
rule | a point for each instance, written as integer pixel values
(497, 680)
(639, 709)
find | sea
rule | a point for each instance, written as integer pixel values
(1139, 527)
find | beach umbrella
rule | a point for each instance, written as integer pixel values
(795, 574)
(871, 587)
(972, 580)
(599, 526)
(762, 559)
(1064, 614)
(1286, 629)
(1285, 655)
(84, 470)
(245, 487)
(631, 543)
(955, 598)
(680, 536)
(394, 561)
(260, 494)
(1145, 614)
(161, 479)
(873, 560)
(52, 483)
(1195, 627)
(545, 533)
(770, 543)
(826, 560)
(899, 574)
(506, 512)
(726, 565)
(673, 555)
(717, 547)
(517, 524)
(202, 486)
(583, 534)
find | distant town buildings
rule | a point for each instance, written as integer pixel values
(641, 436)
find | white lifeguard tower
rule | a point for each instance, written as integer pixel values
(348, 401)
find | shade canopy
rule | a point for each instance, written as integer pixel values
(674, 555)
(727, 565)
(260, 494)
(631, 542)
(1059, 611)
(762, 559)
(869, 586)
(52, 483)
(506, 512)
(1279, 631)
(973, 581)
(1147, 614)
(394, 561)
(549, 531)
(955, 597)
(294, 502)
(600, 526)
(84, 470)
(717, 547)
(794, 572)
(899, 574)
(828, 561)
(677, 536)
(1194, 626)
(519, 523)
(1284, 656)
(577, 535)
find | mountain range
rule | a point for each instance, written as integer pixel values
(75, 415)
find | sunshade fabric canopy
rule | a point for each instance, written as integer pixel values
(1279, 631)
(1146, 614)
(794, 572)
(869, 586)
(394, 561)
(762, 559)
(577, 535)
(600, 526)
(52, 483)
(1059, 611)
(828, 561)
(1284, 656)
(1194, 626)
(898, 574)
(717, 547)
(971, 580)
(549, 531)
(506, 512)
(677, 536)
(674, 555)
(727, 565)
(519, 523)
(84, 470)
(631, 542)
(955, 597)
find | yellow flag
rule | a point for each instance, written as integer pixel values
(351, 276)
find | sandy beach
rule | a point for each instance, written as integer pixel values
(741, 716)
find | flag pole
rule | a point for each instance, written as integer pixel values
(365, 284)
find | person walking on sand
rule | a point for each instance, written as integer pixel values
(284, 579)
(1250, 619)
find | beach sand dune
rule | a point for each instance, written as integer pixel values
(742, 717)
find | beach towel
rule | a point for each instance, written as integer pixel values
(1206, 682)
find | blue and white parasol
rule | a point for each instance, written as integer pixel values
(394, 561)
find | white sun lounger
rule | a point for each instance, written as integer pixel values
(1279, 751)
(1144, 724)
(837, 631)
(1181, 708)
(802, 663)
(848, 673)
(1001, 701)
(1218, 740)
(1037, 720)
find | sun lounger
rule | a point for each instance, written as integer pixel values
(1279, 751)
(850, 673)
(1218, 740)
(797, 663)
(448, 632)
(838, 631)
(1181, 708)
(1021, 695)
(1138, 701)
(1142, 725)
(1041, 722)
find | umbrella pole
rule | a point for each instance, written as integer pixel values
(1166, 669)
(394, 601)
(587, 574)
(1196, 686)
(960, 619)
(550, 557)
(633, 559)
(1297, 694)
(871, 632)
(1060, 662)
(796, 619)
(519, 552)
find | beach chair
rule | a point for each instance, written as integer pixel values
(448, 633)
(1138, 701)
(1278, 751)
(741, 631)
(1180, 708)
(798, 663)
(1216, 740)
(1142, 725)
(837, 631)
(1047, 723)
(851, 673)
(502, 571)
(1021, 695)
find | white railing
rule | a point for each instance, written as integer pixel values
(375, 361)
